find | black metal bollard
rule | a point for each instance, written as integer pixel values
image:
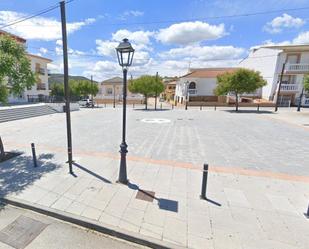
(33, 155)
(258, 107)
(307, 214)
(200, 107)
(215, 107)
(204, 182)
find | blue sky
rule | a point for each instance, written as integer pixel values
(168, 35)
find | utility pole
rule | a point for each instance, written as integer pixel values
(156, 93)
(92, 104)
(278, 95)
(300, 99)
(66, 83)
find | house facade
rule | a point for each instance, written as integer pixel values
(40, 90)
(112, 88)
(269, 61)
(169, 90)
(199, 84)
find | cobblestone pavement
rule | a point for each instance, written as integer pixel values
(258, 187)
(264, 141)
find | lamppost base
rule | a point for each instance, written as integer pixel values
(123, 182)
(123, 164)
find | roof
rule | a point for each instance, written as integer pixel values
(208, 72)
(115, 80)
(17, 38)
(172, 82)
(290, 48)
(40, 57)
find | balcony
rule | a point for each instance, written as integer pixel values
(289, 87)
(40, 71)
(41, 86)
(192, 92)
(297, 68)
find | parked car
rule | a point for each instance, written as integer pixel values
(86, 102)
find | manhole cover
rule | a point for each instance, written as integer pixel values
(145, 195)
(156, 120)
(21, 232)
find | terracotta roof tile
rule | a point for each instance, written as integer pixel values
(208, 72)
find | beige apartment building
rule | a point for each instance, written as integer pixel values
(40, 91)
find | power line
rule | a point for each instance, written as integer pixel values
(39, 13)
(102, 56)
(193, 19)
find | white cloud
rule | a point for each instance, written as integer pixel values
(190, 32)
(43, 50)
(278, 24)
(39, 28)
(106, 48)
(302, 38)
(203, 53)
(59, 42)
(138, 37)
(129, 13)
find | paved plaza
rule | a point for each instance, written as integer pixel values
(258, 186)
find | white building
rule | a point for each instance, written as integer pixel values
(113, 88)
(269, 61)
(40, 90)
(199, 84)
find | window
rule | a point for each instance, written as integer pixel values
(192, 85)
(109, 91)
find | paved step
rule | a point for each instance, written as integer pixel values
(12, 114)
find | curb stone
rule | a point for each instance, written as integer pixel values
(91, 224)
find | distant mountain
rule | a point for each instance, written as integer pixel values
(58, 78)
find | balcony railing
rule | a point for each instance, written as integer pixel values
(289, 87)
(41, 86)
(297, 68)
(192, 91)
(40, 71)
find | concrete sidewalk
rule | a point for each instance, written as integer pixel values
(244, 211)
(53, 234)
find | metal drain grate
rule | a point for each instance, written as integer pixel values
(145, 195)
(21, 232)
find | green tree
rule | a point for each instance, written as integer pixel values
(57, 90)
(306, 83)
(15, 68)
(146, 85)
(78, 88)
(239, 82)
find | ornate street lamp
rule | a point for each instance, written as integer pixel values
(125, 54)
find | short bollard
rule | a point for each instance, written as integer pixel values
(204, 182)
(105, 105)
(33, 155)
(161, 106)
(215, 107)
(258, 108)
(307, 214)
(133, 105)
(172, 106)
(200, 107)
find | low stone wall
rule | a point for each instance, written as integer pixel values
(262, 104)
(111, 101)
(59, 107)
